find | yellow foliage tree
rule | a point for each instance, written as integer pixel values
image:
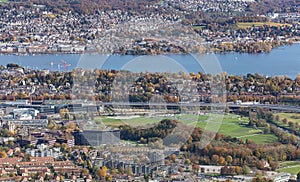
(3, 154)
(102, 172)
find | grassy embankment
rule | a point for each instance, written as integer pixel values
(292, 167)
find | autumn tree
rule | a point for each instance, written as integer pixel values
(102, 172)
(195, 168)
(173, 158)
(3, 154)
(128, 170)
(229, 159)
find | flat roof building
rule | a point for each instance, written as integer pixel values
(97, 137)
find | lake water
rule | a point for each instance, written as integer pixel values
(281, 61)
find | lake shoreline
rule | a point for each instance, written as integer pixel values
(113, 54)
(280, 61)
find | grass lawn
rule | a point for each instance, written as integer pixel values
(293, 170)
(232, 125)
(199, 27)
(258, 24)
(146, 120)
(290, 164)
(137, 121)
(261, 138)
(293, 117)
(3, 1)
(292, 167)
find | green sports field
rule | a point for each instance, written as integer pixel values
(228, 124)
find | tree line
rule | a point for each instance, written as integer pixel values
(108, 85)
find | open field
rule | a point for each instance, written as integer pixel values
(289, 164)
(293, 169)
(293, 117)
(3, 1)
(259, 24)
(199, 27)
(232, 125)
(235, 126)
(147, 120)
(136, 121)
(260, 138)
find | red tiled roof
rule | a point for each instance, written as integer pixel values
(13, 160)
(10, 152)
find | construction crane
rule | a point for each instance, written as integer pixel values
(65, 65)
(52, 64)
(62, 63)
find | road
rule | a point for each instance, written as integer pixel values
(278, 107)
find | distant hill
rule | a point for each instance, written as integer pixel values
(268, 6)
(85, 6)
(143, 6)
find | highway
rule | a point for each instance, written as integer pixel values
(278, 107)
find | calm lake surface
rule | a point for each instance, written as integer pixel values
(281, 61)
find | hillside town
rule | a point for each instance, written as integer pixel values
(37, 29)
